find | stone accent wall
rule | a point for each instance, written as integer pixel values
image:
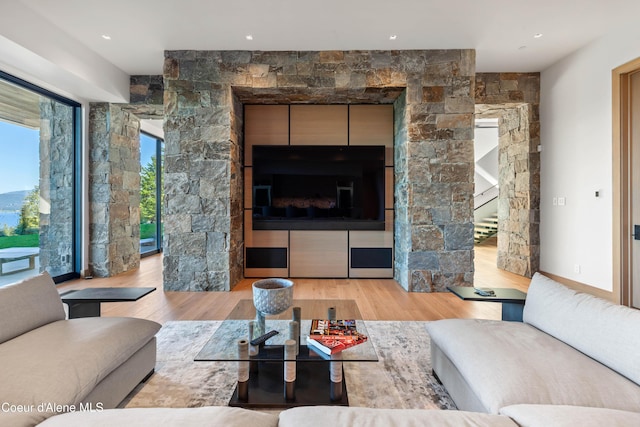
(56, 187)
(146, 97)
(204, 91)
(236, 251)
(114, 190)
(515, 99)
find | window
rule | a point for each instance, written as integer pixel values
(39, 160)
(150, 194)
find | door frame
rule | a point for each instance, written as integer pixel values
(622, 186)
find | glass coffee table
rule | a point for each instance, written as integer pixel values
(319, 379)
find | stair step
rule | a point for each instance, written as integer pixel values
(486, 228)
(487, 224)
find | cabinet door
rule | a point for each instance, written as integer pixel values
(319, 124)
(371, 252)
(372, 125)
(318, 253)
(264, 125)
(266, 251)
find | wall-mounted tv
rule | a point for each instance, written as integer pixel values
(318, 187)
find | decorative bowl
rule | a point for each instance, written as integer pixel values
(272, 296)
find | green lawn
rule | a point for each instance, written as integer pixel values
(24, 241)
(147, 231)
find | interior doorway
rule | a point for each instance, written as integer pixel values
(486, 188)
(626, 180)
(518, 187)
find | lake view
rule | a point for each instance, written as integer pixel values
(9, 218)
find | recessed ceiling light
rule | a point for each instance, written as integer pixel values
(248, 37)
(106, 36)
(537, 36)
(393, 37)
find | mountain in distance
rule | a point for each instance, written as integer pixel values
(13, 200)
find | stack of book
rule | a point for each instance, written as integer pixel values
(333, 336)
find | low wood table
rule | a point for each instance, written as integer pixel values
(512, 300)
(86, 302)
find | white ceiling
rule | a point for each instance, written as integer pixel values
(501, 31)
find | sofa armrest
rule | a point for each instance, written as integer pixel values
(29, 304)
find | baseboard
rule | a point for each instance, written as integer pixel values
(581, 287)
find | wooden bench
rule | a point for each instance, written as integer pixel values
(17, 254)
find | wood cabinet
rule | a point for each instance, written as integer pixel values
(372, 125)
(319, 125)
(264, 125)
(319, 253)
(371, 252)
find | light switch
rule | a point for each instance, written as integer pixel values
(561, 201)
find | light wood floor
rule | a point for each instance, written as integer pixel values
(378, 299)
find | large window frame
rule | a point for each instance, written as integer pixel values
(77, 168)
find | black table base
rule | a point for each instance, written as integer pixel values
(267, 387)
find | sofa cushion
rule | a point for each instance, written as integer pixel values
(323, 416)
(569, 416)
(63, 361)
(507, 363)
(27, 305)
(602, 330)
(210, 416)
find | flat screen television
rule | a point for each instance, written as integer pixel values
(318, 187)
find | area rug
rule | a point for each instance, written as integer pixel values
(401, 379)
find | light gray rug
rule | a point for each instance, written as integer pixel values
(401, 379)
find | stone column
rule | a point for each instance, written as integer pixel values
(56, 187)
(517, 217)
(199, 175)
(114, 193)
(434, 175)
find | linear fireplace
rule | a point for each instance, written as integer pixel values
(318, 187)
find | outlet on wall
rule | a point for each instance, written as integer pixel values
(576, 268)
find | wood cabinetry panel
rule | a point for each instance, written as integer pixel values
(264, 125)
(371, 125)
(248, 188)
(319, 124)
(373, 239)
(263, 238)
(318, 253)
(266, 272)
(388, 187)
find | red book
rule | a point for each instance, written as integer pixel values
(333, 336)
(329, 345)
(336, 329)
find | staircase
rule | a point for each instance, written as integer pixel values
(485, 228)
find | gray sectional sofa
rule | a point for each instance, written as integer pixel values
(49, 363)
(336, 416)
(573, 350)
(573, 362)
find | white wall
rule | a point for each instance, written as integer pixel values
(152, 127)
(576, 160)
(35, 50)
